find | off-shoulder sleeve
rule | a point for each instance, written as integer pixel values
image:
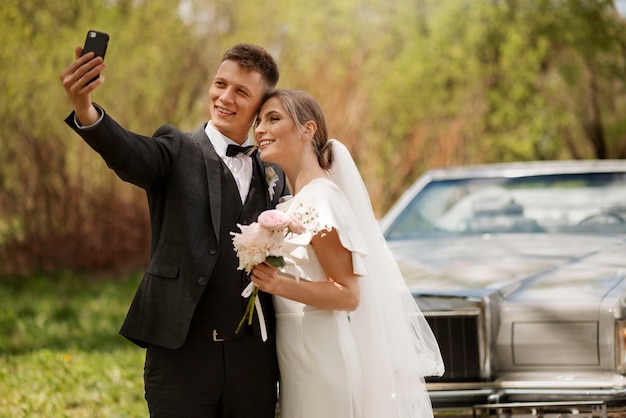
(323, 207)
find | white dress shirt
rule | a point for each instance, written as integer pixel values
(240, 165)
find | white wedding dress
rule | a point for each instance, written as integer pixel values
(320, 372)
(369, 363)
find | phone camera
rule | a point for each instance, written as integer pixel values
(92, 34)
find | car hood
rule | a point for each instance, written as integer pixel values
(534, 266)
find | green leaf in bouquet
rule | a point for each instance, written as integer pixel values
(276, 261)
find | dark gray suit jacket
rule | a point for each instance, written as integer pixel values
(180, 173)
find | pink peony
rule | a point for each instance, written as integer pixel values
(273, 219)
(295, 225)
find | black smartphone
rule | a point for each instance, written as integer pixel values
(97, 43)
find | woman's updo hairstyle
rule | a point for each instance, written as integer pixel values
(303, 107)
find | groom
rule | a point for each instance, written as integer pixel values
(199, 187)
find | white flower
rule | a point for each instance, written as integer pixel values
(271, 179)
(255, 243)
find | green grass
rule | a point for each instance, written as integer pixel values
(60, 352)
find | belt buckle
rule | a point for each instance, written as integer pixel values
(215, 337)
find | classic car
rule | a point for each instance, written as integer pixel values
(520, 269)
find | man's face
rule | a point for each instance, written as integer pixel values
(235, 95)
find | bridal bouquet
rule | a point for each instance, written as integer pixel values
(258, 242)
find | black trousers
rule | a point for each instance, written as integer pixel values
(235, 378)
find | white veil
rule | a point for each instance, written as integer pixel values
(396, 345)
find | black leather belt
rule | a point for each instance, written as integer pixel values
(219, 336)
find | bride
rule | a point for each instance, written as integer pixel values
(351, 341)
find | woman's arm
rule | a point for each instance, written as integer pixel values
(340, 292)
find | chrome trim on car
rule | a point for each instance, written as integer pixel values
(593, 409)
(620, 346)
(436, 306)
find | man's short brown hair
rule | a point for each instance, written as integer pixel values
(255, 58)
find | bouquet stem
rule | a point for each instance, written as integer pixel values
(249, 309)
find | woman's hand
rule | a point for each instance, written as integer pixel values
(266, 277)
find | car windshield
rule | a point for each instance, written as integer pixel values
(564, 203)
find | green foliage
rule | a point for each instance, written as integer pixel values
(57, 311)
(73, 383)
(60, 354)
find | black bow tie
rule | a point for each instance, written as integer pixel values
(233, 150)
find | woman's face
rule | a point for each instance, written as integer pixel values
(276, 133)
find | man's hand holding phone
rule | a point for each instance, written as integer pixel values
(83, 76)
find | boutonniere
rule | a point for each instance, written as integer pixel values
(271, 179)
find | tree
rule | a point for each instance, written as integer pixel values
(406, 85)
(60, 206)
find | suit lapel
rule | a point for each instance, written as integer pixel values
(213, 166)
